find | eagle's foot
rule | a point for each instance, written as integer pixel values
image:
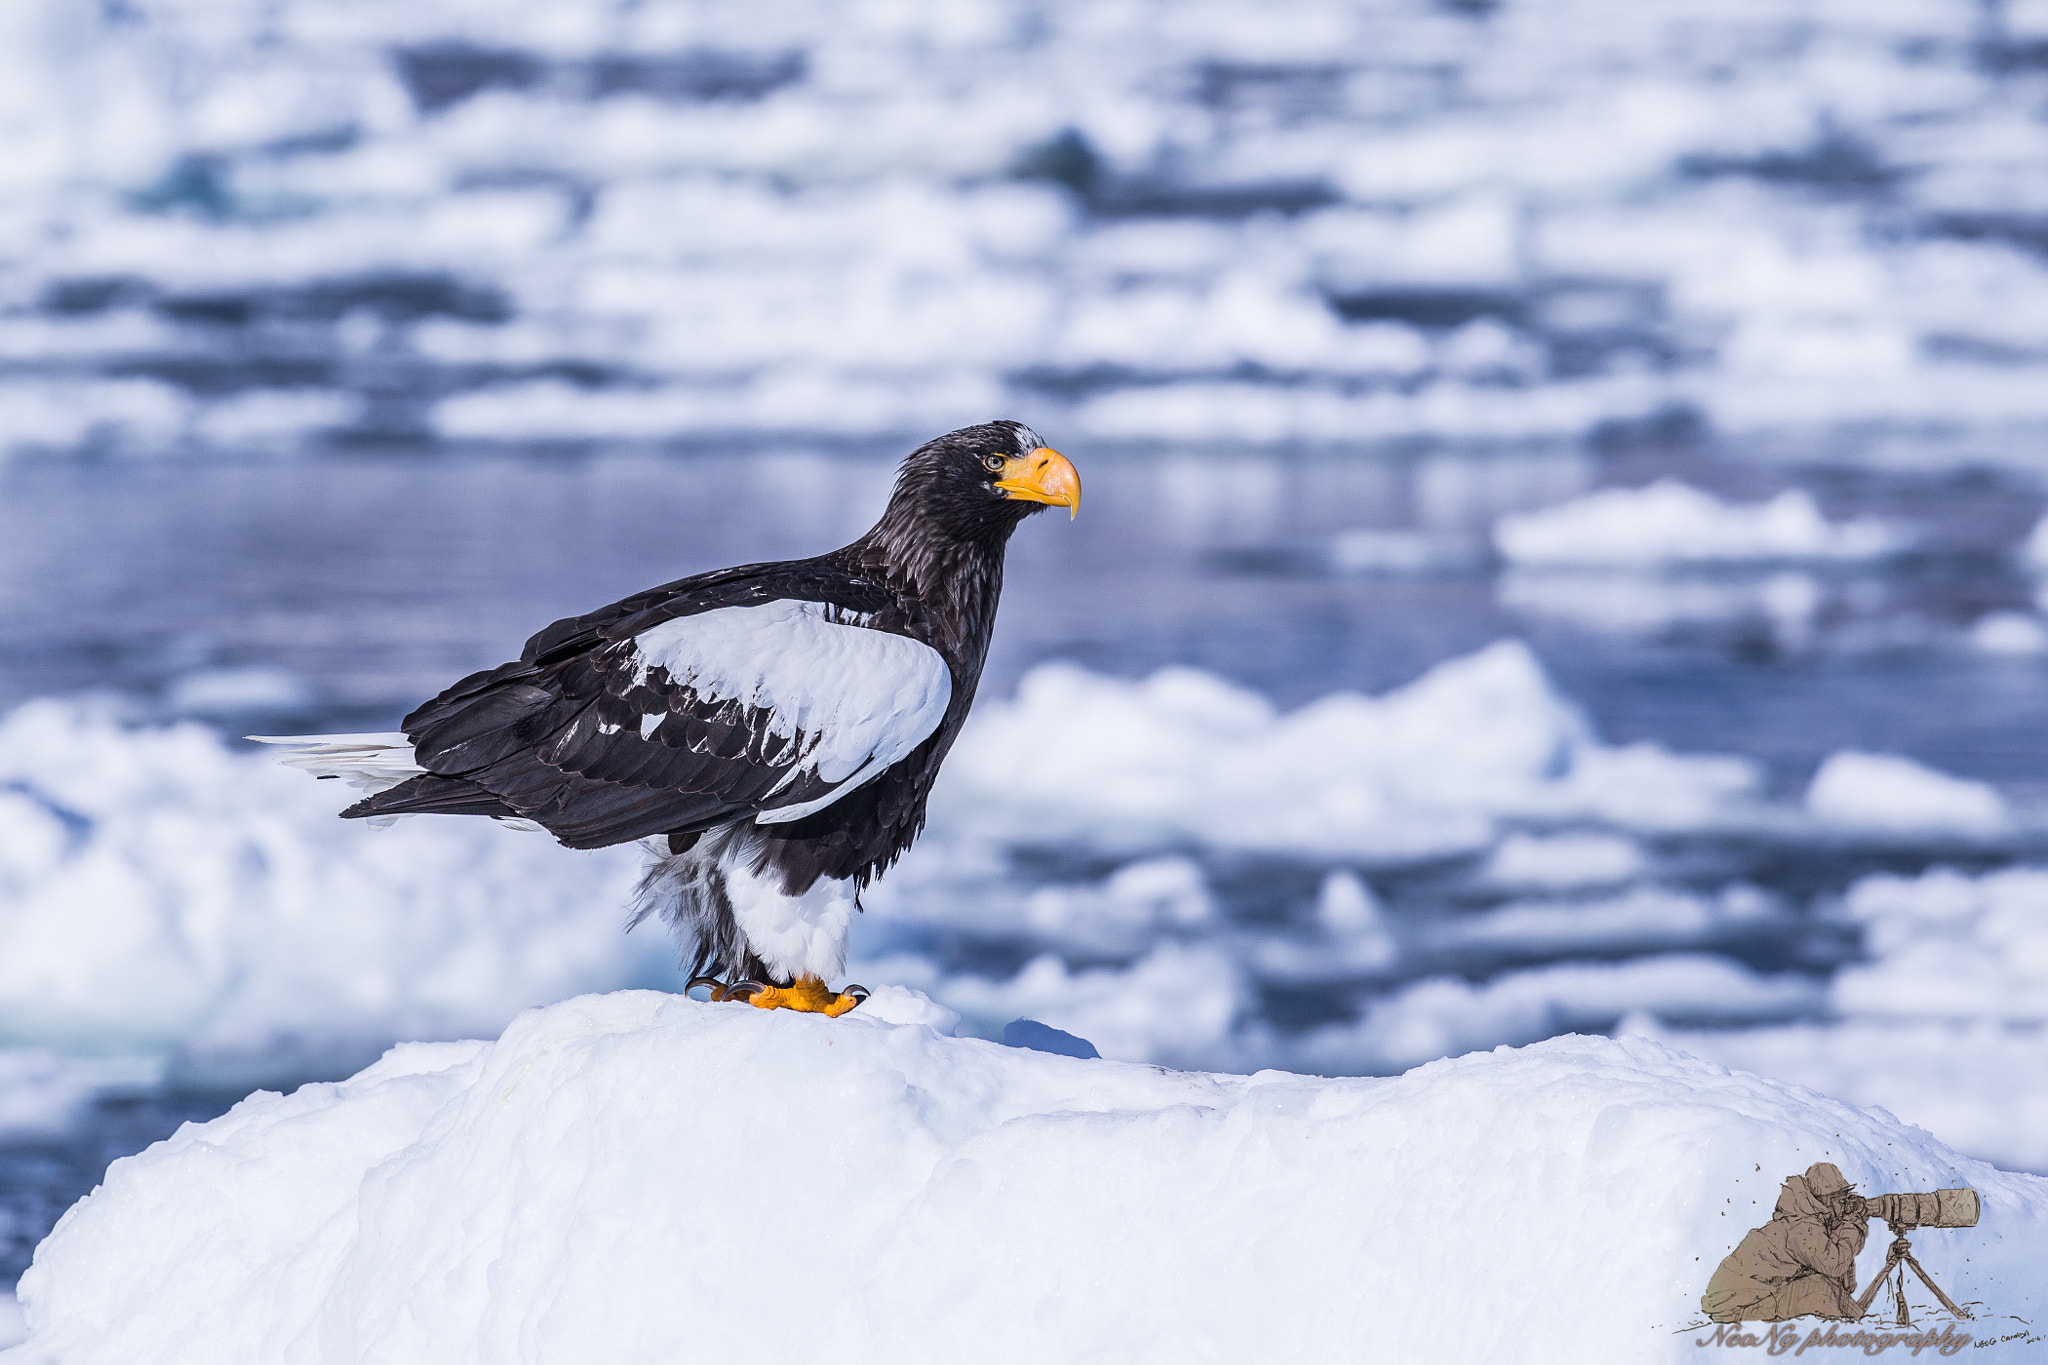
(807, 993)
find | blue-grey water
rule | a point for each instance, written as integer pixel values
(358, 584)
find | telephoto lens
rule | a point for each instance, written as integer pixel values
(1938, 1209)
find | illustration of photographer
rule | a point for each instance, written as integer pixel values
(1803, 1262)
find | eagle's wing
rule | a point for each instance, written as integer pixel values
(760, 693)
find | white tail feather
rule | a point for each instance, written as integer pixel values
(369, 763)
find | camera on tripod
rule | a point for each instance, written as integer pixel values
(1937, 1209)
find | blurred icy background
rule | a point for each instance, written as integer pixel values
(1559, 552)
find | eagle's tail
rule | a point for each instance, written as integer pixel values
(384, 767)
(369, 763)
(429, 794)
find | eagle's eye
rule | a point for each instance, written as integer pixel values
(993, 463)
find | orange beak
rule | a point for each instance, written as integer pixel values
(1043, 476)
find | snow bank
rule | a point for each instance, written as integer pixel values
(1670, 523)
(158, 890)
(1425, 769)
(622, 1177)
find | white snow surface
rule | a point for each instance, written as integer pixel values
(622, 1177)
(1670, 523)
(855, 699)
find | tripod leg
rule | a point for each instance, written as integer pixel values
(1876, 1283)
(1928, 1280)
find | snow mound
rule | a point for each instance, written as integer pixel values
(1671, 523)
(622, 1177)
(1887, 793)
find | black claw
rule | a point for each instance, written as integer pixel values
(745, 990)
(717, 986)
(857, 992)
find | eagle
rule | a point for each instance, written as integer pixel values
(770, 732)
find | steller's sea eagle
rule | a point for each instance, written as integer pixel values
(772, 730)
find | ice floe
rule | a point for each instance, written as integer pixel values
(1945, 945)
(1570, 859)
(1669, 523)
(2013, 633)
(1447, 1016)
(1425, 769)
(1888, 793)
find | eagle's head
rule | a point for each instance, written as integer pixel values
(982, 480)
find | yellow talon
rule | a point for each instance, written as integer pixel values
(808, 994)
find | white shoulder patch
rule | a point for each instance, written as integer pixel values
(861, 699)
